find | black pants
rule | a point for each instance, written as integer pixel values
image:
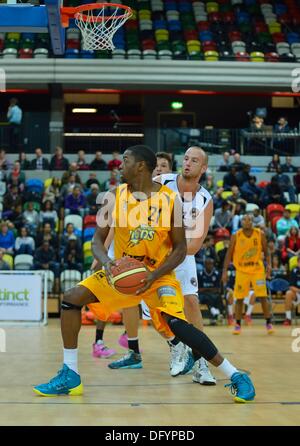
(14, 137)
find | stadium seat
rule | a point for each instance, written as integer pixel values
(221, 234)
(89, 221)
(34, 185)
(220, 183)
(274, 210)
(274, 221)
(23, 262)
(88, 234)
(219, 246)
(36, 205)
(86, 274)
(69, 278)
(278, 285)
(250, 207)
(226, 194)
(9, 259)
(87, 247)
(294, 208)
(76, 220)
(293, 261)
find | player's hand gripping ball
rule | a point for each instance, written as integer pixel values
(127, 274)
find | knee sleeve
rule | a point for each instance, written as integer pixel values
(68, 306)
(194, 338)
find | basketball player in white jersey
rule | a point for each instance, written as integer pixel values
(198, 211)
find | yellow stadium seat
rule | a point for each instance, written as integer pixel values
(219, 246)
(220, 183)
(87, 246)
(293, 262)
(9, 259)
(226, 194)
(47, 182)
(294, 208)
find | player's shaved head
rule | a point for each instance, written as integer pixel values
(202, 153)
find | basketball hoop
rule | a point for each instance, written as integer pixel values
(97, 22)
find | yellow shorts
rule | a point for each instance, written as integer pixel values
(244, 282)
(164, 296)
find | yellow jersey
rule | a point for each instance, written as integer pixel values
(142, 228)
(247, 256)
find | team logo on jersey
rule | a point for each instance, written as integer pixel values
(194, 281)
(143, 232)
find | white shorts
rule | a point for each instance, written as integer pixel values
(186, 274)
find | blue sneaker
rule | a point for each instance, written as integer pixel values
(189, 362)
(242, 387)
(67, 382)
(130, 361)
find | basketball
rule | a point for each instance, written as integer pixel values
(127, 274)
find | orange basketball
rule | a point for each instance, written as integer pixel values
(126, 275)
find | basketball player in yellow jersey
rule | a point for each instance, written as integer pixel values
(246, 248)
(143, 229)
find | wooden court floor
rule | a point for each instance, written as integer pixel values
(149, 396)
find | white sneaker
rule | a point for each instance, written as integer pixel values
(178, 358)
(202, 374)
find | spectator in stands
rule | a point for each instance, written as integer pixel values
(224, 163)
(209, 184)
(291, 246)
(209, 291)
(39, 162)
(292, 295)
(258, 219)
(115, 163)
(98, 163)
(48, 214)
(16, 176)
(52, 192)
(282, 125)
(81, 162)
(14, 117)
(278, 270)
(285, 223)
(73, 170)
(207, 251)
(275, 248)
(285, 184)
(288, 166)
(92, 198)
(230, 179)
(243, 175)
(237, 163)
(257, 124)
(75, 202)
(296, 181)
(25, 164)
(113, 181)
(217, 198)
(31, 218)
(7, 239)
(69, 232)
(12, 199)
(45, 258)
(274, 164)
(238, 210)
(272, 193)
(223, 217)
(92, 180)
(58, 161)
(46, 233)
(236, 197)
(69, 187)
(4, 266)
(73, 258)
(16, 216)
(4, 164)
(250, 192)
(24, 244)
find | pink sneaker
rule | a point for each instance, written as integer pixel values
(230, 320)
(101, 351)
(123, 341)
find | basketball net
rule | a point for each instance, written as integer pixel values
(98, 29)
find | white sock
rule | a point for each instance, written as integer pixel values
(99, 342)
(249, 310)
(214, 311)
(230, 310)
(288, 315)
(133, 339)
(71, 358)
(227, 368)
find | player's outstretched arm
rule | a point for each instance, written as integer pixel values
(195, 237)
(228, 258)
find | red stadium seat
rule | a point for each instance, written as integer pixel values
(263, 184)
(274, 210)
(89, 221)
(221, 234)
(273, 223)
